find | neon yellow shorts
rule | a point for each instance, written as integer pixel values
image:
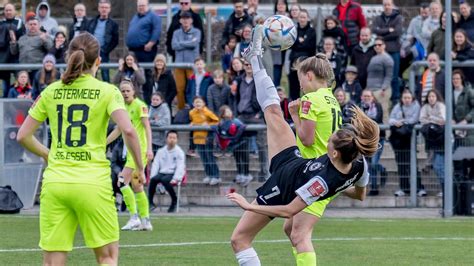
(64, 206)
(130, 163)
(317, 208)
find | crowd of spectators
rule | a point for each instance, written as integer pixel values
(368, 59)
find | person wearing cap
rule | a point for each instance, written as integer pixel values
(185, 43)
(45, 76)
(184, 6)
(351, 85)
(32, 46)
(43, 13)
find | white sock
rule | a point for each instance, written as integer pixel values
(248, 257)
(266, 91)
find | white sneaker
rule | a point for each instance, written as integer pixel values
(246, 179)
(255, 46)
(399, 193)
(421, 193)
(145, 225)
(206, 180)
(132, 224)
(214, 181)
(238, 179)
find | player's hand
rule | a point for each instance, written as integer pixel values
(294, 107)
(239, 200)
(149, 155)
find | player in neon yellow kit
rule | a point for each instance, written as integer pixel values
(316, 116)
(76, 186)
(138, 113)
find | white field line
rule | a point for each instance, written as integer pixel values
(177, 244)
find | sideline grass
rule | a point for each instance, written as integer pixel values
(338, 242)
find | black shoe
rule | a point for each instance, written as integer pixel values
(373, 193)
(123, 207)
(172, 208)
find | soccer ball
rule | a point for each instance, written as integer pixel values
(279, 32)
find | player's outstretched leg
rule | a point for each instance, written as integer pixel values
(248, 227)
(279, 134)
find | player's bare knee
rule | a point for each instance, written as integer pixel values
(239, 242)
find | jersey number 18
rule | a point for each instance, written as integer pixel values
(73, 124)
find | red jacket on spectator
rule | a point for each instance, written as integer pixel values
(352, 20)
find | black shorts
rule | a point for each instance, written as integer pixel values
(285, 170)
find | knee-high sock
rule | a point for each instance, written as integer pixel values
(306, 259)
(142, 204)
(248, 257)
(129, 198)
(266, 91)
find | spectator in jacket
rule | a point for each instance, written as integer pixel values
(80, 21)
(436, 43)
(184, 6)
(362, 53)
(304, 46)
(379, 75)
(463, 114)
(216, 91)
(345, 105)
(185, 43)
(234, 24)
(279, 57)
(201, 115)
(284, 102)
(406, 112)
(389, 26)
(199, 82)
(143, 37)
(106, 30)
(45, 76)
(129, 69)
(373, 109)
(295, 13)
(22, 88)
(49, 24)
(433, 22)
(59, 48)
(168, 168)
(31, 47)
(351, 85)
(466, 21)
(332, 28)
(432, 78)
(16, 26)
(432, 120)
(352, 19)
(463, 50)
(159, 115)
(236, 69)
(244, 40)
(329, 49)
(228, 55)
(163, 80)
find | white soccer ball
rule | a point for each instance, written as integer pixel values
(279, 32)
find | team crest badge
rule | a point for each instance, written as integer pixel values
(318, 188)
(305, 107)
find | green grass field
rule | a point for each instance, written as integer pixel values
(204, 241)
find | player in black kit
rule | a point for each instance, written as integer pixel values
(295, 182)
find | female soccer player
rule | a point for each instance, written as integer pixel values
(297, 182)
(76, 183)
(138, 112)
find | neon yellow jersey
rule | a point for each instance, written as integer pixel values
(322, 108)
(137, 110)
(78, 116)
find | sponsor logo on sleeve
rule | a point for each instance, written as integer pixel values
(305, 107)
(145, 110)
(318, 188)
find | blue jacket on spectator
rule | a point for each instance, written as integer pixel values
(142, 29)
(111, 36)
(191, 87)
(186, 45)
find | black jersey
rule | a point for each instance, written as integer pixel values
(311, 179)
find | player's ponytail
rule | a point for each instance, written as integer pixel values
(80, 56)
(361, 136)
(319, 65)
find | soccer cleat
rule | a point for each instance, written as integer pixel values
(144, 226)
(255, 46)
(132, 224)
(246, 179)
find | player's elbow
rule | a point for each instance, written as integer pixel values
(21, 137)
(128, 132)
